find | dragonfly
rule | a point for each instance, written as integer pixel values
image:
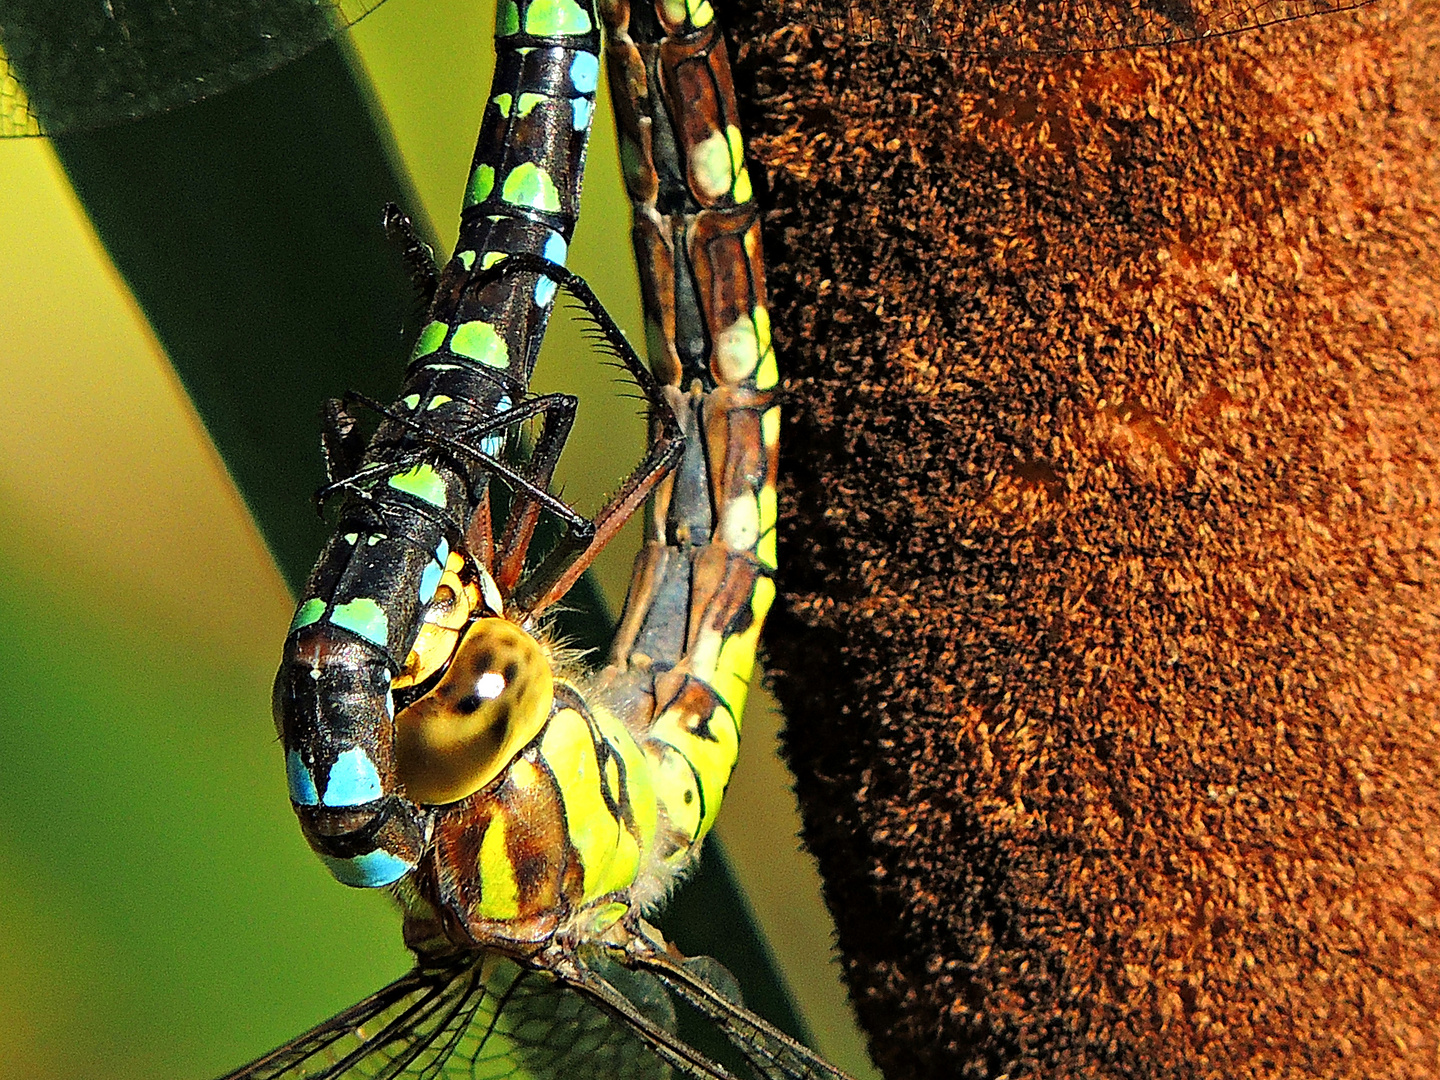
(616, 799)
(870, 32)
(525, 811)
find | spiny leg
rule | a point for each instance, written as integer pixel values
(524, 512)
(507, 557)
(583, 539)
(458, 448)
(573, 555)
(341, 442)
(418, 255)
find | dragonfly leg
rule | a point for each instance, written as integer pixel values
(343, 444)
(525, 510)
(457, 448)
(571, 557)
(418, 255)
(352, 483)
(508, 560)
(341, 441)
(531, 489)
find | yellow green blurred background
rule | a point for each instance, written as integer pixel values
(160, 915)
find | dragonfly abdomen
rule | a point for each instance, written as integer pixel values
(686, 644)
(411, 498)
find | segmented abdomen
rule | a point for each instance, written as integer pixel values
(682, 658)
(413, 496)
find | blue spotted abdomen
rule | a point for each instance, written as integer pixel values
(333, 704)
(420, 481)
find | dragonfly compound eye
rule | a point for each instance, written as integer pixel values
(494, 698)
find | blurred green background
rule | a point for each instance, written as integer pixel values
(160, 915)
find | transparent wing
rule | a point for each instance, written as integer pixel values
(482, 1018)
(707, 987)
(77, 64)
(999, 27)
(558, 1033)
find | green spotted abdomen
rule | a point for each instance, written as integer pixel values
(411, 503)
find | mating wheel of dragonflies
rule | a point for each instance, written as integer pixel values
(492, 344)
(454, 447)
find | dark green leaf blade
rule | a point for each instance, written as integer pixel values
(90, 63)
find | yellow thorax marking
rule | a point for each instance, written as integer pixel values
(608, 852)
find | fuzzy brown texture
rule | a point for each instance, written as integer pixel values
(1111, 543)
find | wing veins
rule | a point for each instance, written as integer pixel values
(433, 989)
(474, 997)
(411, 1044)
(337, 1027)
(762, 1044)
(671, 1048)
